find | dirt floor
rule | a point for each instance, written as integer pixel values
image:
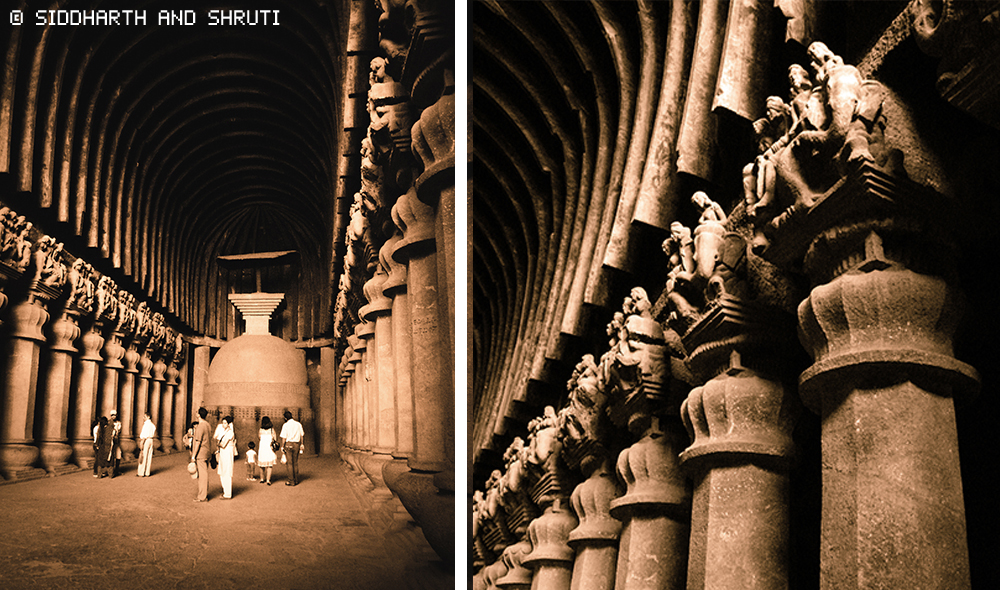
(329, 532)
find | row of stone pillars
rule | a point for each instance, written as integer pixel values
(878, 323)
(397, 374)
(76, 378)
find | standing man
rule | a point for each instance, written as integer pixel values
(200, 452)
(116, 447)
(291, 445)
(146, 445)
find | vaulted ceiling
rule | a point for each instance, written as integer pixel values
(152, 150)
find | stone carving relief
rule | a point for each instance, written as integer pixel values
(50, 270)
(81, 294)
(704, 267)
(15, 244)
(107, 301)
(835, 124)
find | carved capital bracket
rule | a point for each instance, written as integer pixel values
(651, 472)
(740, 413)
(591, 500)
(549, 535)
(882, 322)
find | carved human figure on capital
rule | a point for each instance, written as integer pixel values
(81, 293)
(581, 419)
(543, 438)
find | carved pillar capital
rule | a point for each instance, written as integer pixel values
(740, 413)
(591, 500)
(131, 359)
(651, 474)
(27, 319)
(434, 146)
(114, 351)
(518, 576)
(65, 331)
(549, 534)
(881, 318)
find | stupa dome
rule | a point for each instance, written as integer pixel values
(258, 370)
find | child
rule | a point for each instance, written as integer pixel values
(251, 462)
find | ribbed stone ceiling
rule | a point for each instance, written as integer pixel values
(164, 147)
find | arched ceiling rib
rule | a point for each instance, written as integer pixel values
(151, 142)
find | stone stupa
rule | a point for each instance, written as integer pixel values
(257, 374)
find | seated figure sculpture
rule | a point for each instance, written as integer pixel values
(836, 125)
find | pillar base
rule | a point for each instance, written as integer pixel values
(83, 453)
(55, 455)
(432, 509)
(372, 467)
(128, 446)
(16, 458)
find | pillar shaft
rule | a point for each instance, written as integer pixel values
(130, 412)
(17, 405)
(654, 513)
(402, 363)
(431, 370)
(54, 445)
(85, 409)
(326, 417)
(202, 357)
(180, 408)
(883, 377)
(386, 379)
(144, 404)
(741, 424)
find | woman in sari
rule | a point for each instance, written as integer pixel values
(225, 439)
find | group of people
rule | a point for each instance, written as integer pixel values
(224, 438)
(107, 450)
(108, 454)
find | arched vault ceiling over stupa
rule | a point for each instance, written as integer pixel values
(163, 147)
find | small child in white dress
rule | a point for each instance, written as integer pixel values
(251, 462)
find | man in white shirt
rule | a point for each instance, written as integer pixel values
(146, 446)
(291, 444)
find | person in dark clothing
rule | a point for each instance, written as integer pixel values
(105, 448)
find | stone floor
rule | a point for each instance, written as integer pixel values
(329, 532)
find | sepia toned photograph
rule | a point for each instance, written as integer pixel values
(732, 320)
(227, 294)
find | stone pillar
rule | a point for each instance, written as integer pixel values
(551, 557)
(113, 352)
(199, 377)
(159, 398)
(85, 409)
(17, 407)
(54, 444)
(180, 419)
(431, 365)
(741, 425)
(327, 418)
(356, 377)
(170, 407)
(595, 540)
(364, 377)
(879, 325)
(394, 287)
(130, 412)
(143, 402)
(654, 512)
